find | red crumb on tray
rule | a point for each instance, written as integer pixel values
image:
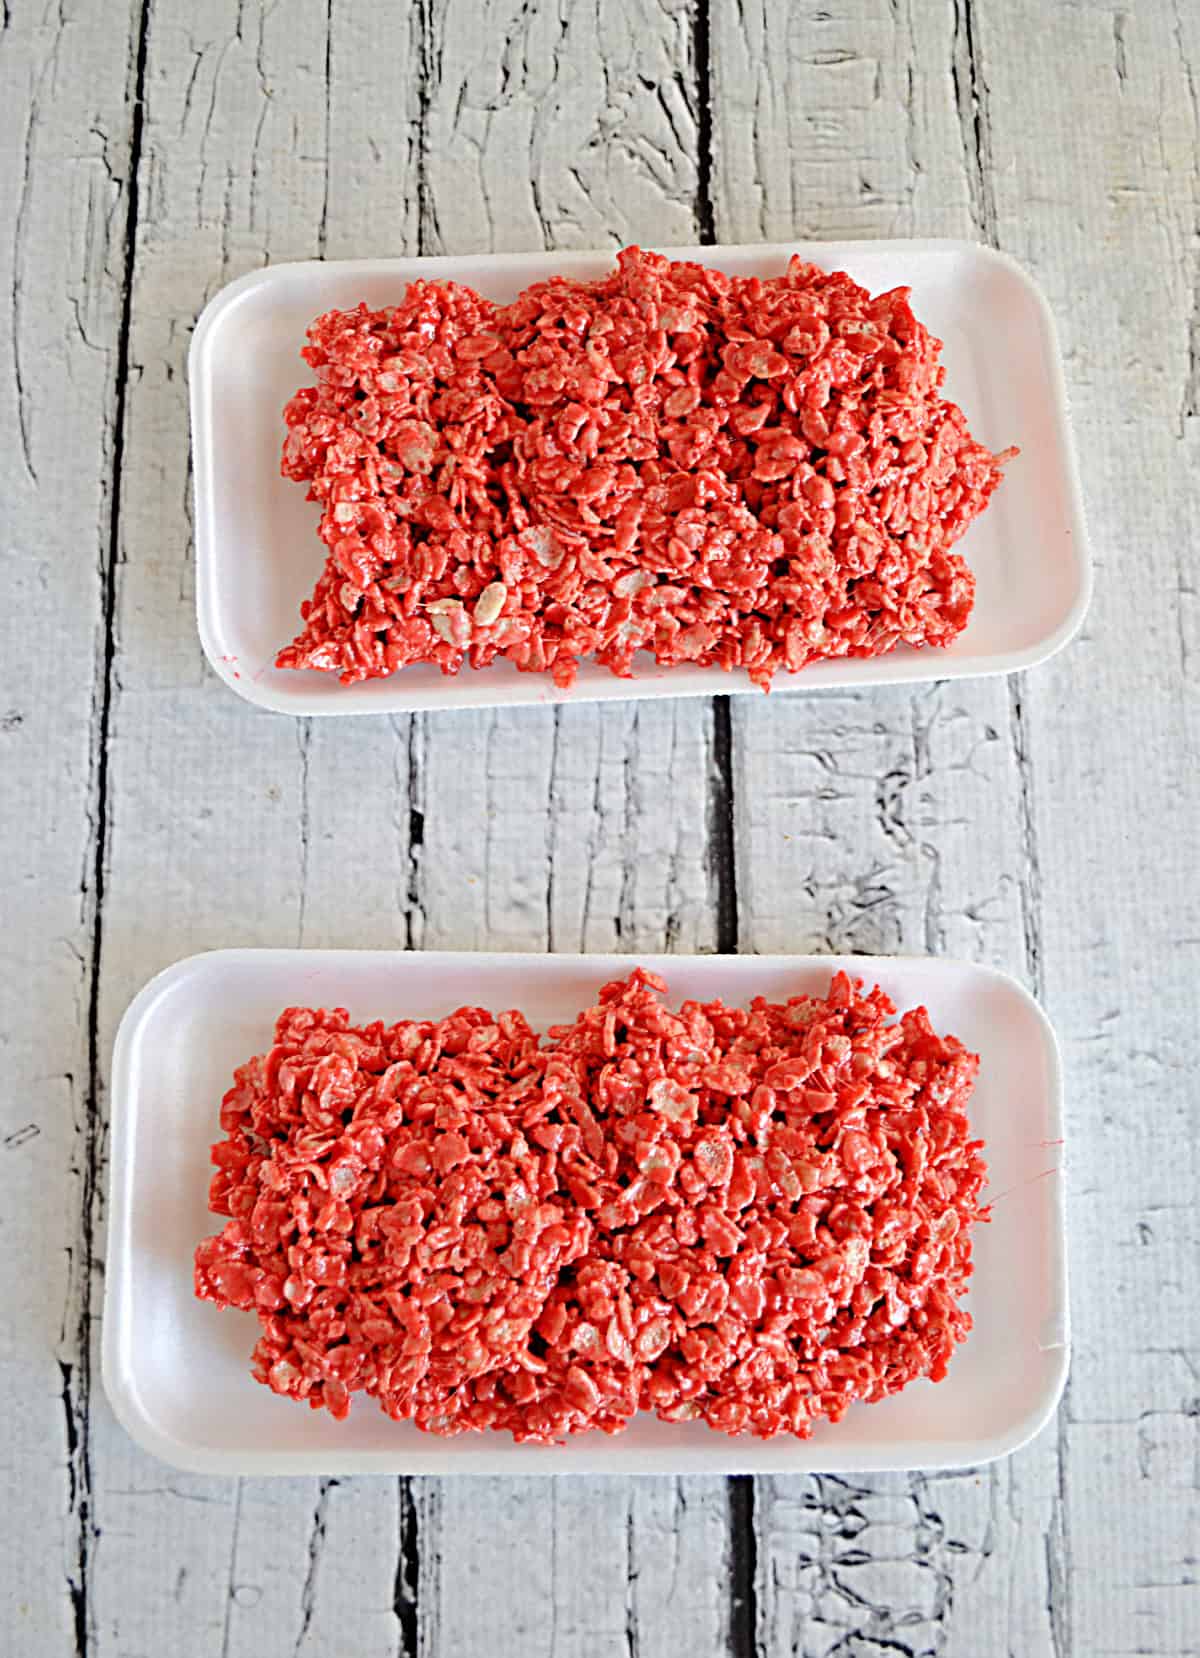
(749, 1218)
(731, 471)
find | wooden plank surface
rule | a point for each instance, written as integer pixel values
(1111, 742)
(1046, 824)
(65, 132)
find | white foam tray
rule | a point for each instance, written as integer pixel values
(177, 1369)
(258, 555)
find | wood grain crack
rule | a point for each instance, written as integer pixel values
(409, 821)
(75, 1433)
(702, 76)
(1190, 403)
(1120, 63)
(406, 1594)
(77, 1376)
(874, 1566)
(722, 848)
(595, 838)
(23, 417)
(552, 823)
(323, 224)
(674, 924)
(426, 58)
(1057, 1589)
(304, 823)
(974, 119)
(230, 1583)
(743, 1568)
(1031, 876)
(316, 1546)
(625, 920)
(632, 1646)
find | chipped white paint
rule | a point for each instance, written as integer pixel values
(1112, 741)
(1046, 825)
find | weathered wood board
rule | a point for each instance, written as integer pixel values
(1046, 824)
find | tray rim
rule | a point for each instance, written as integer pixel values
(120, 1381)
(917, 667)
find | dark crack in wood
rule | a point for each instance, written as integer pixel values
(743, 1568)
(702, 71)
(974, 119)
(722, 847)
(77, 1376)
(407, 1586)
(316, 1547)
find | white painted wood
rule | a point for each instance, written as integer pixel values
(836, 121)
(576, 829)
(1101, 199)
(64, 135)
(606, 1566)
(559, 126)
(1046, 825)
